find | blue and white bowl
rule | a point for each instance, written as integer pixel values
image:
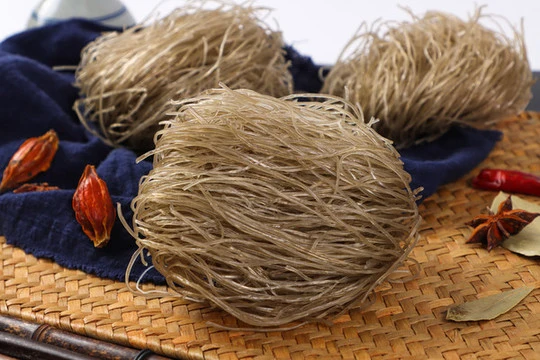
(106, 12)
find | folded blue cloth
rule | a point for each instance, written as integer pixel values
(35, 98)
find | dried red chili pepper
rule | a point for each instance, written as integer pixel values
(33, 156)
(511, 181)
(493, 229)
(93, 207)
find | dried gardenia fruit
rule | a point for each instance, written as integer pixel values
(93, 207)
(33, 187)
(33, 156)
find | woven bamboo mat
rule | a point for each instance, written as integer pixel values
(405, 321)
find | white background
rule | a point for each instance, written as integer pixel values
(320, 28)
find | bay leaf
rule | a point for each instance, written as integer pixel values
(527, 241)
(488, 307)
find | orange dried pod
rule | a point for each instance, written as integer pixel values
(33, 187)
(93, 206)
(33, 156)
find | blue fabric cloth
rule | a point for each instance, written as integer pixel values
(35, 98)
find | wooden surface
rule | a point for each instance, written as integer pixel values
(405, 321)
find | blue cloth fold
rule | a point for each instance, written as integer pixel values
(35, 98)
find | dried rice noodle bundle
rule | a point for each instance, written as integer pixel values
(271, 209)
(126, 78)
(422, 76)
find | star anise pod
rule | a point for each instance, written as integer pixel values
(493, 229)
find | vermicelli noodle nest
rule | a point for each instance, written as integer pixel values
(421, 76)
(126, 78)
(273, 209)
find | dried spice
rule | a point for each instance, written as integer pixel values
(493, 229)
(33, 187)
(507, 180)
(527, 241)
(33, 157)
(93, 207)
(488, 307)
